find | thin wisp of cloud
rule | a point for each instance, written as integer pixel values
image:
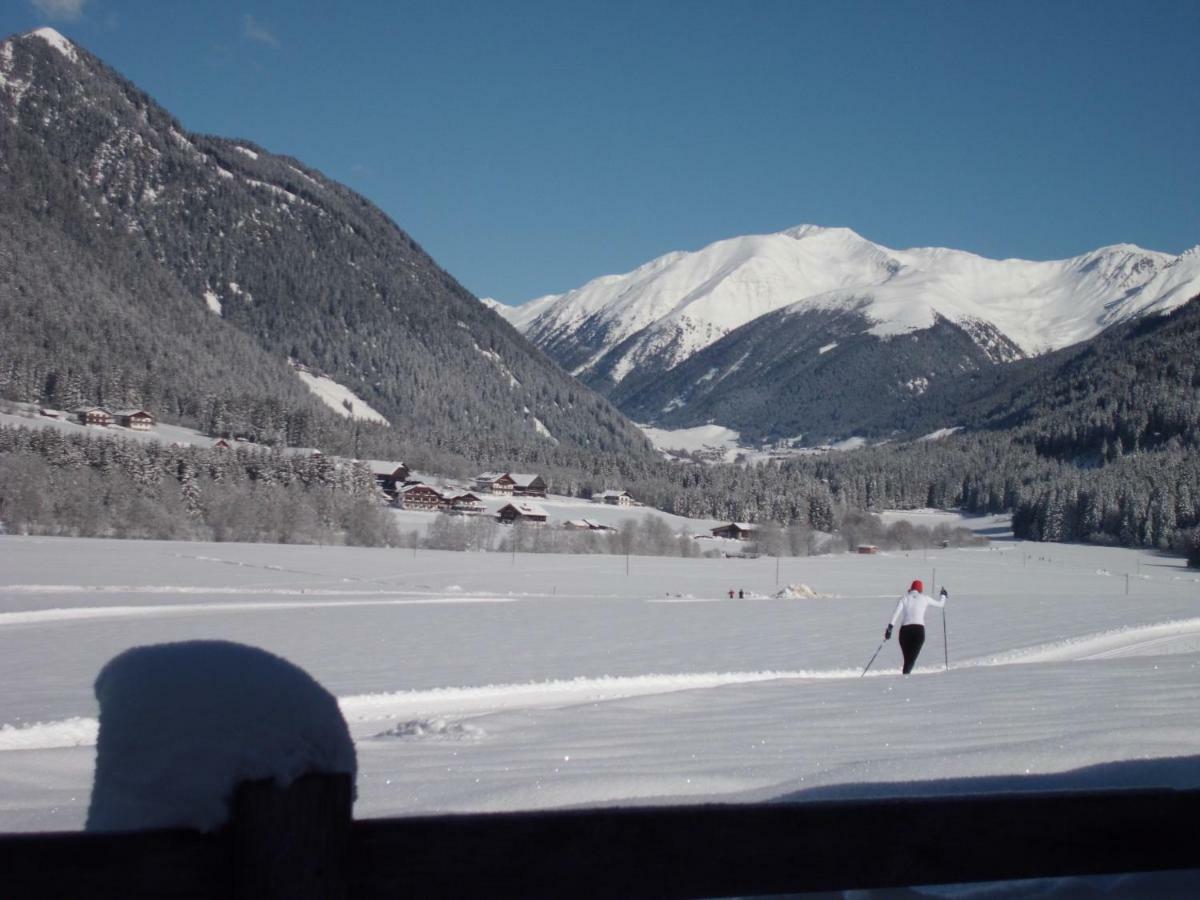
(60, 10)
(253, 30)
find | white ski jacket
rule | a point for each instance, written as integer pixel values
(911, 608)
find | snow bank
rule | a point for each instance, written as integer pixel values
(798, 592)
(182, 724)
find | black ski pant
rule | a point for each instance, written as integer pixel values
(912, 639)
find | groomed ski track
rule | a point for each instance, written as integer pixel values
(430, 708)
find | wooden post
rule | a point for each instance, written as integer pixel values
(292, 843)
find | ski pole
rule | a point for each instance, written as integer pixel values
(945, 634)
(873, 655)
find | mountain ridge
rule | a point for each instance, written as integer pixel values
(307, 269)
(668, 341)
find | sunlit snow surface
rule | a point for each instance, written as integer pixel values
(484, 682)
(340, 398)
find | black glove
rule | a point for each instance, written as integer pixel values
(887, 635)
(945, 594)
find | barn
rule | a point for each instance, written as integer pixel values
(737, 531)
(521, 512)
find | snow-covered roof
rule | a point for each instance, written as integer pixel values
(88, 409)
(489, 476)
(419, 486)
(523, 479)
(384, 467)
(132, 412)
(527, 509)
(612, 494)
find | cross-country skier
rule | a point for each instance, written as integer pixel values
(910, 610)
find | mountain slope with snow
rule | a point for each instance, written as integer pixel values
(205, 245)
(819, 332)
(657, 316)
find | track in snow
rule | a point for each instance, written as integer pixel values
(364, 712)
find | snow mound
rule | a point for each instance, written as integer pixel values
(181, 725)
(798, 591)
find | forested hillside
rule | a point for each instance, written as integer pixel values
(146, 265)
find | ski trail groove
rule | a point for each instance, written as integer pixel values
(452, 702)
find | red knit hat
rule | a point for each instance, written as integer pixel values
(918, 587)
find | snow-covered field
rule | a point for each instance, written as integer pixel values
(488, 682)
(718, 443)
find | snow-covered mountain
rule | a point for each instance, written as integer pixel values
(143, 264)
(654, 318)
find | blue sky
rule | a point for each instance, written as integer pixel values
(532, 146)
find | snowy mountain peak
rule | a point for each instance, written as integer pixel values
(800, 232)
(1125, 265)
(667, 310)
(55, 40)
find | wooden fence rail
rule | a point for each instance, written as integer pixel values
(300, 842)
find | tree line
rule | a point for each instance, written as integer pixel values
(79, 485)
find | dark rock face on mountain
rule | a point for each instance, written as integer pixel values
(141, 263)
(815, 375)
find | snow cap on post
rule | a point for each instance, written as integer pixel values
(182, 725)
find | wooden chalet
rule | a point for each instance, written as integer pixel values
(521, 512)
(867, 549)
(136, 419)
(527, 485)
(221, 444)
(737, 531)
(94, 415)
(389, 476)
(467, 503)
(416, 495)
(494, 483)
(614, 498)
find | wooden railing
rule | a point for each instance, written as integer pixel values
(300, 843)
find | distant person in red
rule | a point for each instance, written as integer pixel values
(910, 611)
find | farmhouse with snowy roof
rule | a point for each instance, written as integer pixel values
(494, 483)
(94, 415)
(738, 531)
(527, 485)
(389, 476)
(522, 511)
(614, 498)
(416, 495)
(135, 419)
(467, 503)
(511, 484)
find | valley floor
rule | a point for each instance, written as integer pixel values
(493, 682)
